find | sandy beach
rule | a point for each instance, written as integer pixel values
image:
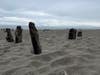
(59, 55)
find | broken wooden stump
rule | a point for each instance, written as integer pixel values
(79, 34)
(9, 36)
(72, 34)
(34, 38)
(18, 34)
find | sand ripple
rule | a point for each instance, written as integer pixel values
(60, 56)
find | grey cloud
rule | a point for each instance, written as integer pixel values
(70, 10)
(82, 10)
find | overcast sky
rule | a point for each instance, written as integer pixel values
(50, 12)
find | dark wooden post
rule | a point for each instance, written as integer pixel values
(18, 34)
(9, 36)
(79, 34)
(35, 38)
(72, 34)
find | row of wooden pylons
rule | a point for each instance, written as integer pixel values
(18, 35)
(73, 34)
(35, 36)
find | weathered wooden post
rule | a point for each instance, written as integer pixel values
(18, 34)
(72, 34)
(34, 38)
(79, 34)
(9, 36)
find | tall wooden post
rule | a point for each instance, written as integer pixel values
(18, 34)
(72, 34)
(9, 36)
(34, 38)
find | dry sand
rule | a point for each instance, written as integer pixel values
(59, 55)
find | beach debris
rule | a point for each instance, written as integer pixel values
(72, 34)
(9, 36)
(18, 34)
(34, 38)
